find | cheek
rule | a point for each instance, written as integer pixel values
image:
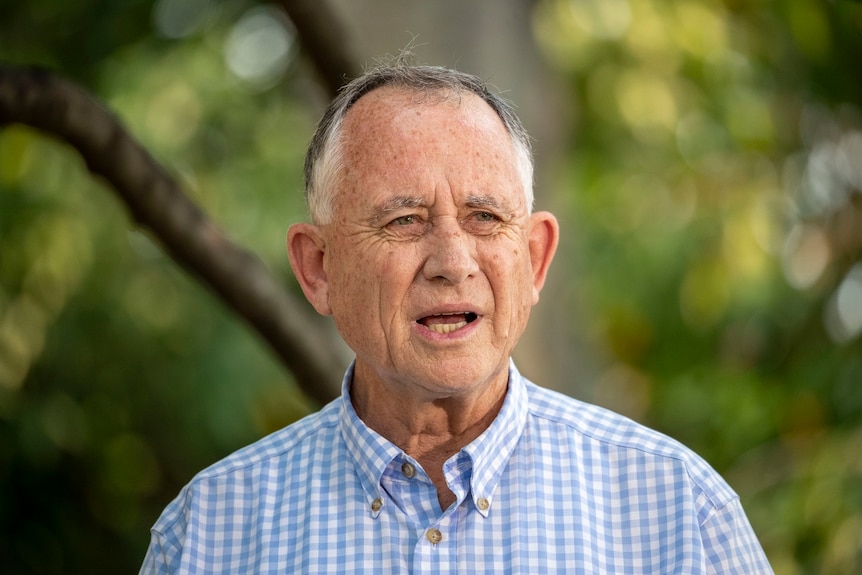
(514, 274)
(523, 298)
(348, 287)
(509, 265)
(367, 281)
(354, 309)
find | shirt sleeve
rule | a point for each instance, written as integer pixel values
(730, 543)
(156, 560)
(164, 555)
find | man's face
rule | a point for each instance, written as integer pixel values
(427, 259)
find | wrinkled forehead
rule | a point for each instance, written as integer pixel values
(400, 134)
(396, 109)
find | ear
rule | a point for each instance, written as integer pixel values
(544, 236)
(306, 249)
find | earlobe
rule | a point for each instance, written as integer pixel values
(544, 236)
(306, 249)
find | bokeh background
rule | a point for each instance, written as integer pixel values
(704, 159)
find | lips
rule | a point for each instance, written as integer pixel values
(444, 323)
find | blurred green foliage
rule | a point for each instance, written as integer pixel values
(120, 377)
(714, 188)
(713, 185)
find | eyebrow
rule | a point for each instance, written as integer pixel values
(391, 205)
(499, 206)
(487, 201)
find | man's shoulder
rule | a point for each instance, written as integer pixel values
(268, 466)
(289, 442)
(595, 421)
(611, 430)
(599, 423)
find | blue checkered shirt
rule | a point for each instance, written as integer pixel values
(552, 486)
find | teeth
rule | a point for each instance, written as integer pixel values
(447, 327)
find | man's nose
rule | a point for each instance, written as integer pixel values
(450, 252)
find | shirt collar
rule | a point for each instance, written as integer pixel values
(489, 453)
(370, 451)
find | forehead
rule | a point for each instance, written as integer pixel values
(391, 107)
(399, 139)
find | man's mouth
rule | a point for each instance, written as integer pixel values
(447, 322)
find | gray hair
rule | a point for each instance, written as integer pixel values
(324, 158)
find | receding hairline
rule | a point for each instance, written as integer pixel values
(388, 98)
(426, 85)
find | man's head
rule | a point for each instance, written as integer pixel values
(323, 162)
(427, 255)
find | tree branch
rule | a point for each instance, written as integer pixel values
(44, 101)
(320, 31)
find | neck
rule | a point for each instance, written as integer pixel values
(428, 428)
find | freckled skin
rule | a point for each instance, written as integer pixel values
(430, 216)
(440, 153)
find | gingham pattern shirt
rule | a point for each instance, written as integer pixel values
(554, 485)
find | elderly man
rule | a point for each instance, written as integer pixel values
(440, 457)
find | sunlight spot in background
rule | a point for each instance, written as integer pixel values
(823, 188)
(743, 256)
(560, 37)
(181, 18)
(806, 255)
(843, 550)
(700, 30)
(843, 314)
(646, 101)
(767, 221)
(59, 254)
(260, 47)
(848, 159)
(832, 170)
(607, 19)
(649, 40)
(22, 336)
(823, 183)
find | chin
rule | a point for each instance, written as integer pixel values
(463, 374)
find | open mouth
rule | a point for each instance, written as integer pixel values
(447, 322)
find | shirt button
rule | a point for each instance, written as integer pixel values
(376, 505)
(408, 470)
(434, 536)
(483, 504)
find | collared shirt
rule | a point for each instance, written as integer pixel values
(554, 485)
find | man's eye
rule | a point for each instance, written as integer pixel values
(404, 220)
(481, 223)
